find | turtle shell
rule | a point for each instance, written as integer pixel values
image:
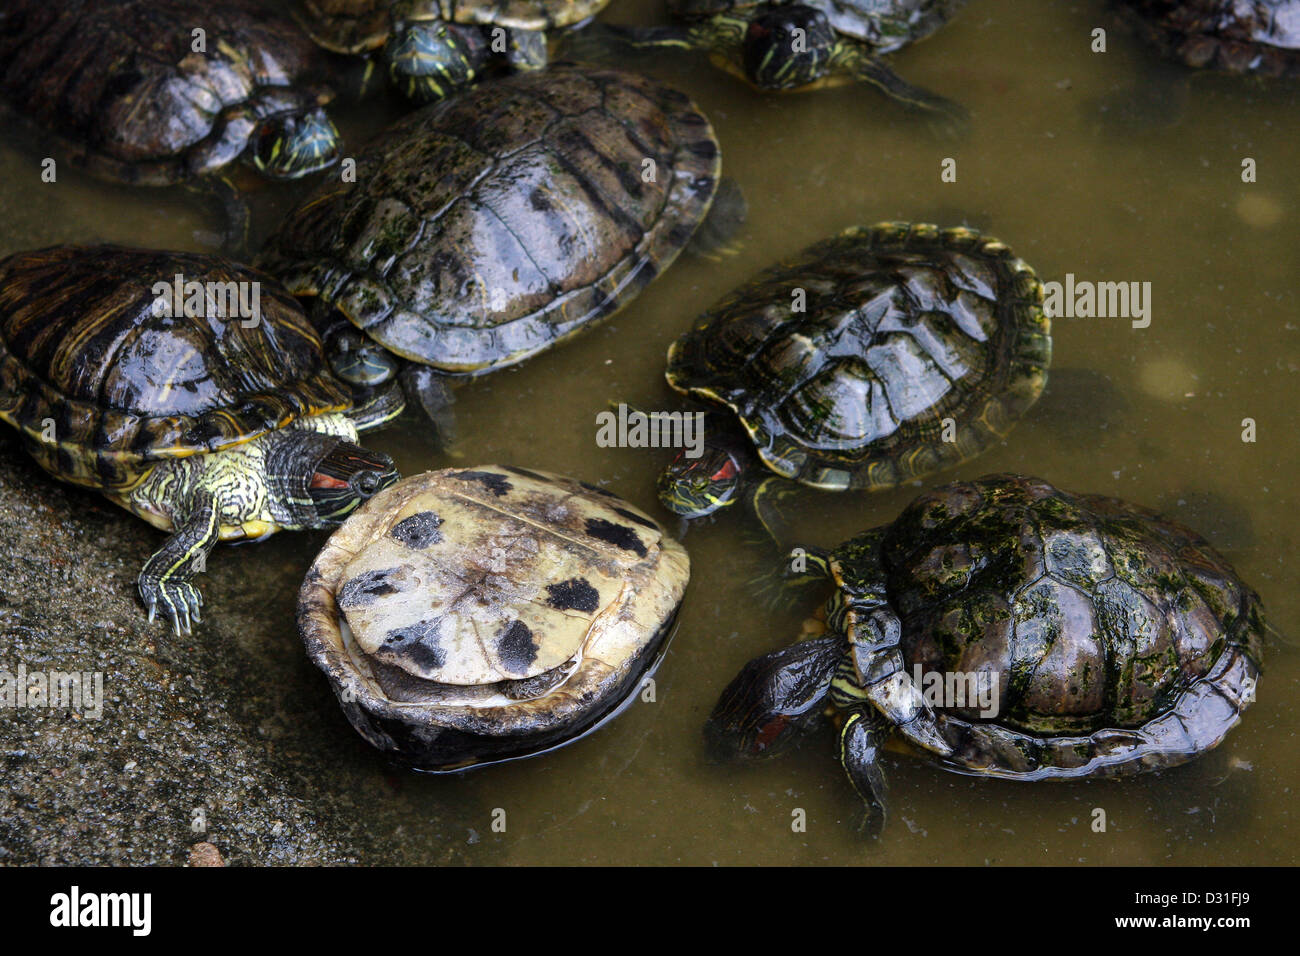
(487, 227)
(84, 351)
(875, 357)
(1238, 36)
(1113, 633)
(886, 26)
(118, 84)
(473, 615)
(360, 26)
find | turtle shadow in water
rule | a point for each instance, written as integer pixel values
(1079, 402)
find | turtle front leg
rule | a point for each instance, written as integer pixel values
(429, 390)
(948, 120)
(861, 738)
(165, 580)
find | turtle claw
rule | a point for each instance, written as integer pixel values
(180, 602)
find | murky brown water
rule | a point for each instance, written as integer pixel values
(1152, 415)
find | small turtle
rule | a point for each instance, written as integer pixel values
(202, 420)
(121, 89)
(490, 226)
(476, 615)
(878, 356)
(1009, 629)
(431, 48)
(1236, 36)
(797, 46)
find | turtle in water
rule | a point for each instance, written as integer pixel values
(431, 48)
(878, 356)
(779, 46)
(476, 615)
(1003, 627)
(486, 228)
(120, 87)
(141, 375)
(1235, 36)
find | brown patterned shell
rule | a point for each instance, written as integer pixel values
(494, 603)
(1237, 36)
(359, 26)
(490, 226)
(119, 86)
(81, 347)
(844, 363)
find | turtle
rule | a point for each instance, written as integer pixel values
(872, 358)
(431, 48)
(1006, 628)
(494, 224)
(470, 616)
(124, 89)
(1235, 36)
(135, 373)
(778, 46)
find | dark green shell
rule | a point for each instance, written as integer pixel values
(1093, 613)
(489, 226)
(82, 351)
(844, 364)
(886, 26)
(359, 26)
(1237, 36)
(117, 84)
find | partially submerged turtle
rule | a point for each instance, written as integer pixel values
(431, 48)
(486, 228)
(798, 46)
(1072, 635)
(1237, 36)
(211, 425)
(470, 616)
(119, 87)
(878, 356)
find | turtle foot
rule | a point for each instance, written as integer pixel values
(178, 599)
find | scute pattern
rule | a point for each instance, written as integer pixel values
(489, 226)
(902, 326)
(79, 344)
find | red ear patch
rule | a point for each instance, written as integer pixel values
(728, 470)
(769, 732)
(325, 481)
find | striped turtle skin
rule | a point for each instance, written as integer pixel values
(843, 364)
(80, 347)
(486, 228)
(473, 615)
(117, 85)
(1107, 639)
(1235, 36)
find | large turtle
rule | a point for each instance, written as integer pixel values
(486, 228)
(431, 48)
(1237, 36)
(1006, 628)
(781, 46)
(475, 615)
(127, 90)
(207, 421)
(875, 357)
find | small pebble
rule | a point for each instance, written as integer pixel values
(205, 854)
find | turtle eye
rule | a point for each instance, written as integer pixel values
(368, 482)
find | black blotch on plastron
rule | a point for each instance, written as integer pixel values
(597, 489)
(497, 484)
(417, 644)
(619, 535)
(574, 594)
(516, 648)
(526, 473)
(632, 516)
(418, 531)
(368, 586)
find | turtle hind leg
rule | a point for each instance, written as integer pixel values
(716, 236)
(232, 208)
(164, 581)
(950, 121)
(861, 739)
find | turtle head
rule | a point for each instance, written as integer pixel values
(292, 145)
(787, 47)
(359, 360)
(695, 487)
(429, 61)
(321, 478)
